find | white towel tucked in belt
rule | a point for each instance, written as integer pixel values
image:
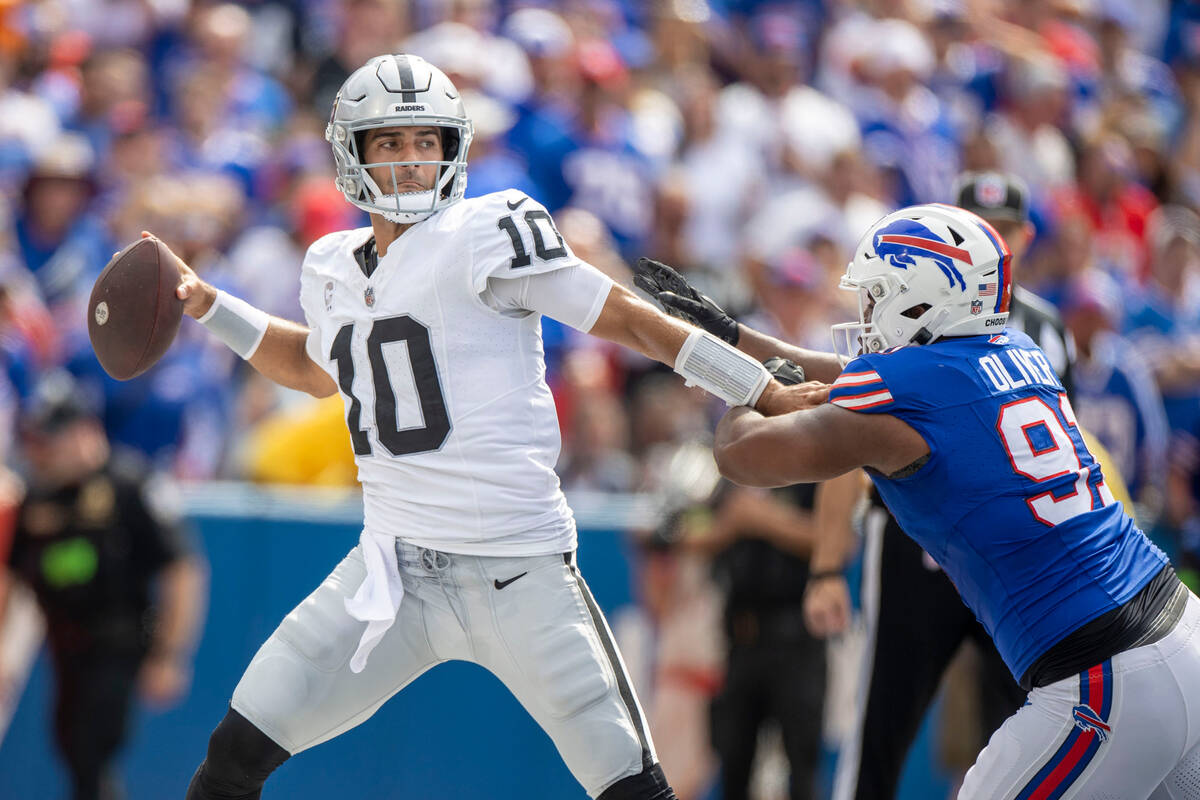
(378, 598)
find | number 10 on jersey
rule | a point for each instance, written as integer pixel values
(436, 421)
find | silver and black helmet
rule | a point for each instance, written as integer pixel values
(389, 91)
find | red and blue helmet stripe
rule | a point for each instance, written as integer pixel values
(1004, 295)
(1003, 266)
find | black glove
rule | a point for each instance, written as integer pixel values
(679, 299)
(789, 373)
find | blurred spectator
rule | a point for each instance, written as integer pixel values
(30, 341)
(114, 92)
(797, 301)
(206, 139)
(122, 594)
(366, 28)
(119, 23)
(718, 178)
(249, 98)
(968, 72)
(60, 240)
(178, 414)
(1163, 320)
(606, 173)
(796, 219)
(472, 56)
(1027, 131)
(544, 131)
(819, 185)
(28, 125)
(1163, 317)
(1126, 70)
(905, 128)
(493, 166)
(1116, 398)
(1114, 203)
(1067, 252)
(597, 458)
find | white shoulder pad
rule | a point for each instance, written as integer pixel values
(329, 248)
(325, 262)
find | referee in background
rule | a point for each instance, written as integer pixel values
(121, 589)
(915, 620)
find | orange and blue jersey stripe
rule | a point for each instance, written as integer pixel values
(1088, 733)
(861, 390)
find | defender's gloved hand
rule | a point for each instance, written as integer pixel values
(789, 373)
(680, 299)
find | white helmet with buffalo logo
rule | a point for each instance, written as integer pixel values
(389, 91)
(922, 273)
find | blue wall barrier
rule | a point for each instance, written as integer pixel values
(455, 733)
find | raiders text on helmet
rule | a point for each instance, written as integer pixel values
(389, 91)
(922, 273)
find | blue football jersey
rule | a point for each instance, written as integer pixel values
(1010, 503)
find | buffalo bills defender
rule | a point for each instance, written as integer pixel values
(971, 441)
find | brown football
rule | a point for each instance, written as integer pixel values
(133, 314)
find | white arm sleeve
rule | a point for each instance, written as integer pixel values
(572, 295)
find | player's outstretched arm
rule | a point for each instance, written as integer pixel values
(278, 352)
(736, 378)
(680, 299)
(811, 445)
(282, 357)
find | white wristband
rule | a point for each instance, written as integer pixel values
(721, 369)
(236, 323)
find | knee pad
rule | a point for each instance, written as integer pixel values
(240, 758)
(649, 784)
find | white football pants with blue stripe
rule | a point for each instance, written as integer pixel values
(1126, 729)
(540, 633)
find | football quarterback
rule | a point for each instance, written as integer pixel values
(427, 323)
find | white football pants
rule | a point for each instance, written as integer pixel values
(540, 633)
(1127, 729)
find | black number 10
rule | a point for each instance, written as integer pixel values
(436, 428)
(521, 257)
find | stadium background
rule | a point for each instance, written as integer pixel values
(747, 142)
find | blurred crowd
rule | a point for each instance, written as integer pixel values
(747, 142)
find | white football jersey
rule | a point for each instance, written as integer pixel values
(454, 429)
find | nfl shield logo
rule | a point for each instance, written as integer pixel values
(976, 307)
(991, 191)
(369, 296)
